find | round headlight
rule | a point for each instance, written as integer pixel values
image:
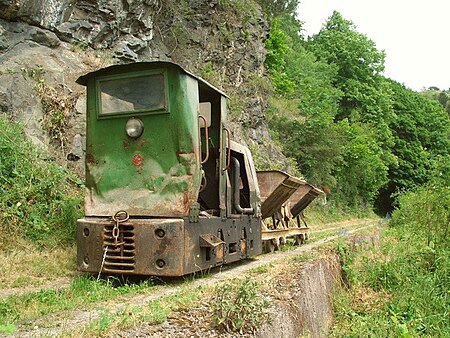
(134, 127)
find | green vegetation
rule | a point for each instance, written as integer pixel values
(82, 292)
(356, 134)
(401, 289)
(442, 96)
(30, 267)
(153, 312)
(57, 105)
(421, 133)
(370, 143)
(86, 292)
(238, 307)
(39, 200)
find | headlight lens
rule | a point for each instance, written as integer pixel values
(134, 127)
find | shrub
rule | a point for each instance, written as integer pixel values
(39, 200)
(238, 307)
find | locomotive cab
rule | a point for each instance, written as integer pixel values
(167, 192)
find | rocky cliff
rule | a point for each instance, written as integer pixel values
(45, 45)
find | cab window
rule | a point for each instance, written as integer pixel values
(135, 94)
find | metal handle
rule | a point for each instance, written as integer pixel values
(206, 139)
(229, 150)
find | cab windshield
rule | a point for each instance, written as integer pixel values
(144, 93)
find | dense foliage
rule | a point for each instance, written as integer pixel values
(39, 201)
(421, 132)
(358, 135)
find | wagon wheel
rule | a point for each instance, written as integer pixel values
(276, 243)
(268, 246)
(298, 240)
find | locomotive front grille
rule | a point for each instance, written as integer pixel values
(119, 257)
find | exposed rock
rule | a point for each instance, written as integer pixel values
(32, 55)
(21, 103)
(44, 37)
(45, 13)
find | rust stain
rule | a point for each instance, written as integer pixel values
(243, 247)
(140, 144)
(138, 161)
(185, 205)
(219, 253)
(90, 159)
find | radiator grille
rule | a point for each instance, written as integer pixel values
(120, 258)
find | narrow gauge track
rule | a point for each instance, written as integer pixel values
(62, 323)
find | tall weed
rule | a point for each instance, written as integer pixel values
(238, 307)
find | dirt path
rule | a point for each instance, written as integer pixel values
(57, 324)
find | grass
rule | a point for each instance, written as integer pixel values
(305, 257)
(82, 292)
(401, 288)
(153, 312)
(261, 269)
(32, 267)
(333, 212)
(392, 294)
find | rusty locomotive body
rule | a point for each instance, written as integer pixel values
(167, 191)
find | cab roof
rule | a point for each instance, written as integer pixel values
(136, 66)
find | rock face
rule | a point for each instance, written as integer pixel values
(55, 41)
(124, 26)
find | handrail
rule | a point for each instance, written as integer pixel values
(206, 139)
(229, 150)
(236, 192)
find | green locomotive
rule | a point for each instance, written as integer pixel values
(167, 192)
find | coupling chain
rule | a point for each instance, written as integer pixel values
(119, 217)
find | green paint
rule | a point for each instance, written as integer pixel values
(168, 146)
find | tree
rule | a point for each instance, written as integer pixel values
(304, 122)
(365, 96)
(443, 98)
(365, 108)
(362, 171)
(421, 132)
(279, 7)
